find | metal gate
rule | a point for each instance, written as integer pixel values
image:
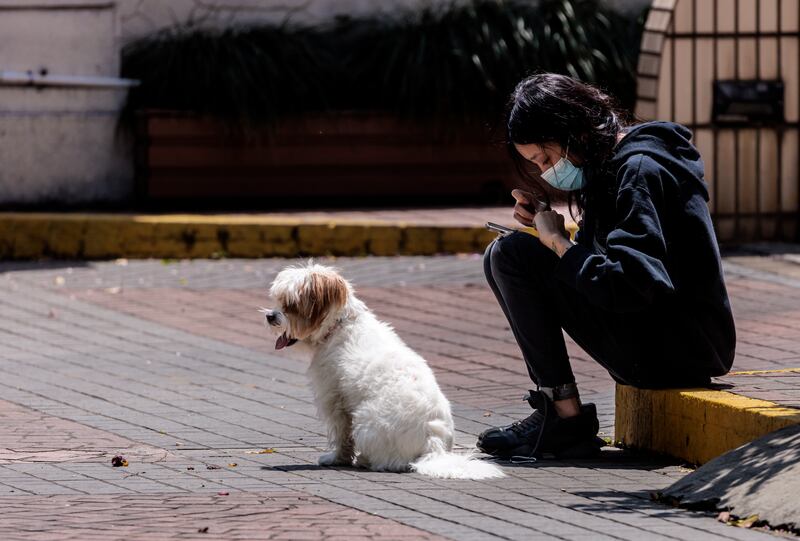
(722, 67)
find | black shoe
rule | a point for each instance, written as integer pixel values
(545, 433)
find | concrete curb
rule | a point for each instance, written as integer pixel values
(695, 425)
(25, 236)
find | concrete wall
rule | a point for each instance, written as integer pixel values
(60, 144)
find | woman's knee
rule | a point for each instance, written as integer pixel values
(518, 250)
(487, 260)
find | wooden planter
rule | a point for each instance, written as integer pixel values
(323, 155)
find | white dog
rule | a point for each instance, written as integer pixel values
(379, 399)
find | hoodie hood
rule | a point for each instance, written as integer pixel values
(670, 145)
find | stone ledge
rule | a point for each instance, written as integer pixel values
(697, 425)
(25, 236)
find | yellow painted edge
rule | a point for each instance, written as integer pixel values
(213, 219)
(695, 425)
(234, 219)
(104, 235)
(754, 372)
(743, 403)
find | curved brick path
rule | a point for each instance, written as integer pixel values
(167, 363)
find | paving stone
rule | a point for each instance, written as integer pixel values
(139, 356)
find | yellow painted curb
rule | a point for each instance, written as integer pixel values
(757, 372)
(695, 425)
(108, 236)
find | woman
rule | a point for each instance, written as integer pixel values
(641, 288)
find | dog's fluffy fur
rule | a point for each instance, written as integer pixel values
(378, 398)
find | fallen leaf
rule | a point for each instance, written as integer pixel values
(724, 516)
(746, 522)
(190, 468)
(59, 280)
(212, 467)
(223, 493)
(232, 465)
(119, 461)
(203, 530)
(487, 414)
(268, 451)
(122, 262)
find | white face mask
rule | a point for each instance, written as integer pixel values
(564, 175)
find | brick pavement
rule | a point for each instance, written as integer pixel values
(168, 364)
(780, 387)
(277, 516)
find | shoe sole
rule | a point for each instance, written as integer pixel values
(584, 449)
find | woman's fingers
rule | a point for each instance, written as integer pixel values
(522, 196)
(524, 212)
(523, 220)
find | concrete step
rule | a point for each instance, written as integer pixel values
(698, 425)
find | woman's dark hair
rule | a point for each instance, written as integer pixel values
(552, 108)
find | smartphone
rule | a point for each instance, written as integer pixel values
(501, 230)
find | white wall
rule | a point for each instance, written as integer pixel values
(60, 144)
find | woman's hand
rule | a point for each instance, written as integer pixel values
(524, 210)
(552, 231)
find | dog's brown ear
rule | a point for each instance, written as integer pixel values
(324, 292)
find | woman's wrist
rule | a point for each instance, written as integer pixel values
(560, 245)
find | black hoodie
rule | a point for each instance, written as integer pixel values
(655, 255)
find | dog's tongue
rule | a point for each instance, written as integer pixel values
(284, 341)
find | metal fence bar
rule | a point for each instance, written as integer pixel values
(797, 203)
(780, 130)
(715, 128)
(672, 107)
(39, 79)
(737, 162)
(694, 63)
(731, 35)
(759, 229)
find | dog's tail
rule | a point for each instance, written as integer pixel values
(447, 465)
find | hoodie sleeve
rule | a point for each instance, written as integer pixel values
(632, 273)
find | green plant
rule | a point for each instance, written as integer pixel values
(249, 76)
(466, 59)
(452, 64)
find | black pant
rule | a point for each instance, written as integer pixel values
(636, 348)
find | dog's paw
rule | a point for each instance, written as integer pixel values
(334, 459)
